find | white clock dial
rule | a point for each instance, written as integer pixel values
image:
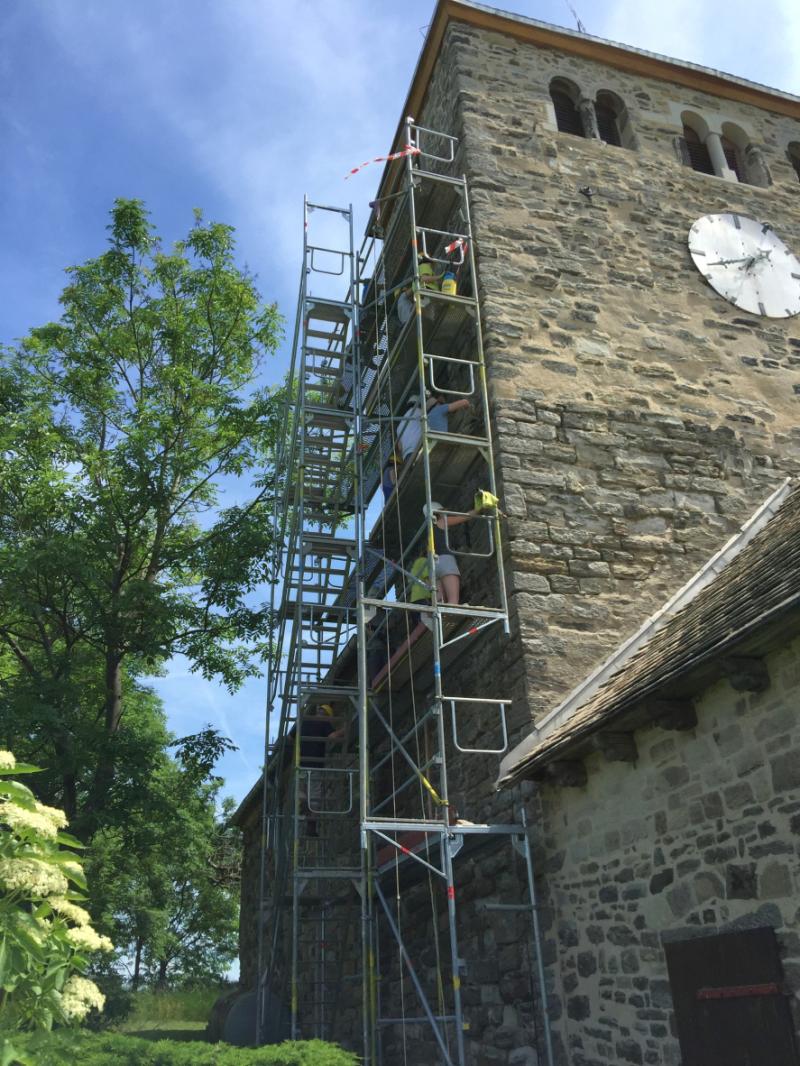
(747, 263)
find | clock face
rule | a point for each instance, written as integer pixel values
(747, 263)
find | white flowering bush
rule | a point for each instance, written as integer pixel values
(45, 935)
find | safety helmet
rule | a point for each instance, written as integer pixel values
(434, 508)
(326, 708)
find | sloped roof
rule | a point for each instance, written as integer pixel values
(759, 588)
(245, 808)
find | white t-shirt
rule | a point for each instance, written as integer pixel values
(409, 432)
(405, 307)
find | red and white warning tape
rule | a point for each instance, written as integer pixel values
(410, 149)
(458, 243)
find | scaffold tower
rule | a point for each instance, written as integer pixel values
(387, 496)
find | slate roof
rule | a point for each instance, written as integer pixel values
(759, 588)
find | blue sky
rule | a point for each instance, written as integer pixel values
(239, 107)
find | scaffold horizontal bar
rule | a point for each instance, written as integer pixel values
(457, 438)
(427, 826)
(442, 179)
(464, 610)
(337, 210)
(422, 1018)
(326, 873)
(482, 906)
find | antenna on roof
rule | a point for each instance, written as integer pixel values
(580, 25)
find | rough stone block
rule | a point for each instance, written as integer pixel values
(579, 1008)
(629, 1050)
(708, 886)
(740, 881)
(680, 900)
(775, 881)
(785, 772)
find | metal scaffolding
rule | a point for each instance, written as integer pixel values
(362, 713)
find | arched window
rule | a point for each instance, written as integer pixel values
(613, 121)
(607, 109)
(565, 97)
(733, 158)
(697, 156)
(745, 159)
(793, 152)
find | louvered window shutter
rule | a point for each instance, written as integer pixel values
(699, 159)
(607, 124)
(568, 118)
(732, 158)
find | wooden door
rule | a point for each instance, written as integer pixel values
(730, 1003)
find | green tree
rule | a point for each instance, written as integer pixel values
(118, 424)
(170, 901)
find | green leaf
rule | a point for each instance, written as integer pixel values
(69, 841)
(18, 793)
(10, 1055)
(21, 768)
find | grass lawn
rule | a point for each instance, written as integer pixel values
(171, 1029)
(178, 1015)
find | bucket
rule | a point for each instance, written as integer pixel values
(449, 286)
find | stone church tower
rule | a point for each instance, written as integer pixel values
(639, 418)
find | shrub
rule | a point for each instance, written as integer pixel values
(45, 935)
(108, 1049)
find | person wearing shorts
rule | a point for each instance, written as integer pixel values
(447, 573)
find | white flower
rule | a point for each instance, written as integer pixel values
(7, 760)
(69, 910)
(53, 814)
(20, 819)
(33, 877)
(78, 996)
(84, 938)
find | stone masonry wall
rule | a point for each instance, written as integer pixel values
(639, 417)
(701, 836)
(249, 905)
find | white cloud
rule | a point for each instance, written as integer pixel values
(673, 30)
(266, 99)
(759, 42)
(788, 45)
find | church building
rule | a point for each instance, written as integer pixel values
(632, 291)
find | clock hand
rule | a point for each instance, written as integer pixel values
(751, 260)
(758, 257)
(727, 262)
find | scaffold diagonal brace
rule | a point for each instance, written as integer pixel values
(408, 852)
(401, 749)
(412, 973)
